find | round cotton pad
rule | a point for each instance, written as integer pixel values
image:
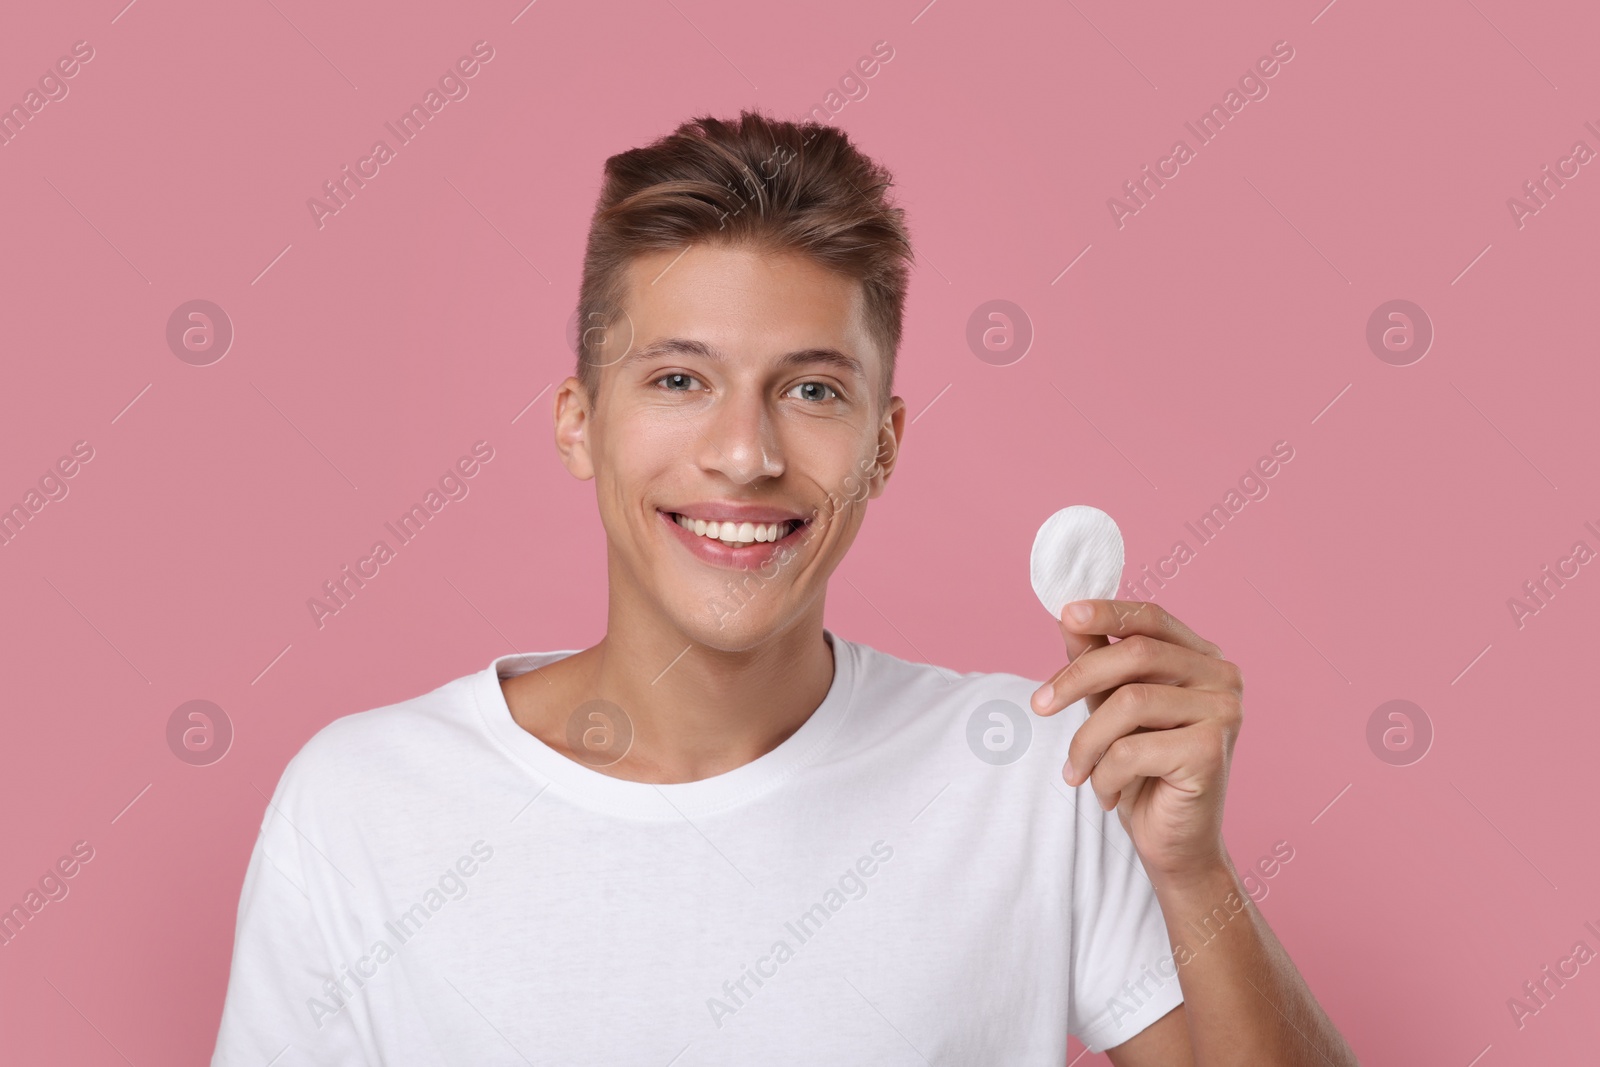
(1077, 555)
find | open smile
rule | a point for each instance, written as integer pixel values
(726, 542)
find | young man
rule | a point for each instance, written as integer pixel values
(725, 834)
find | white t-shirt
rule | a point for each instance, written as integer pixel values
(435, 885)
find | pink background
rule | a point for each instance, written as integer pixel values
(1228, 314)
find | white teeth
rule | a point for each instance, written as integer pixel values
(736, 534)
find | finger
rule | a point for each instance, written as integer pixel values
(1124, 618)
(1076, 644)
(1185, 758)
(1136, 706)
(1134, 659)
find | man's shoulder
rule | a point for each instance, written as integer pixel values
(889, 672)
(393, 741)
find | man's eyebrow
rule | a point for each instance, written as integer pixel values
(668, 346)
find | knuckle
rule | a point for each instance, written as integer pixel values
(1234, 676)
(1135, 697)
(1140, 647)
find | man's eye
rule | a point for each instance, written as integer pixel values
(815, 386)
(678, 382)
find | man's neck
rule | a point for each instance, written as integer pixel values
(695, 711)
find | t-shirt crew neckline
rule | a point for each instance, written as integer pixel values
(646, 800)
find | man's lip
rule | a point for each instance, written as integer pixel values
(729, 511)
(743, 557)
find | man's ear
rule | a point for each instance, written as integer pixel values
(574, 415)
(890, 432)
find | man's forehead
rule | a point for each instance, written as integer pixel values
(720, 303)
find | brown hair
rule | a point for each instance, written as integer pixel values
(757, 182)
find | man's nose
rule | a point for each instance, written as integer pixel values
(739, 438)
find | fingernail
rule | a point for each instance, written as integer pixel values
(1042, 698)
(1081, 612)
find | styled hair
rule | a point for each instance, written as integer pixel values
(757, 182)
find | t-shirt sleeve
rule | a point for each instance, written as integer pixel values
(279, 1008)
(1123, 973)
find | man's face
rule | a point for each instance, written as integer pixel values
(736, 403)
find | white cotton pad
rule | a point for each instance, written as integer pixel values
(1077, 555)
